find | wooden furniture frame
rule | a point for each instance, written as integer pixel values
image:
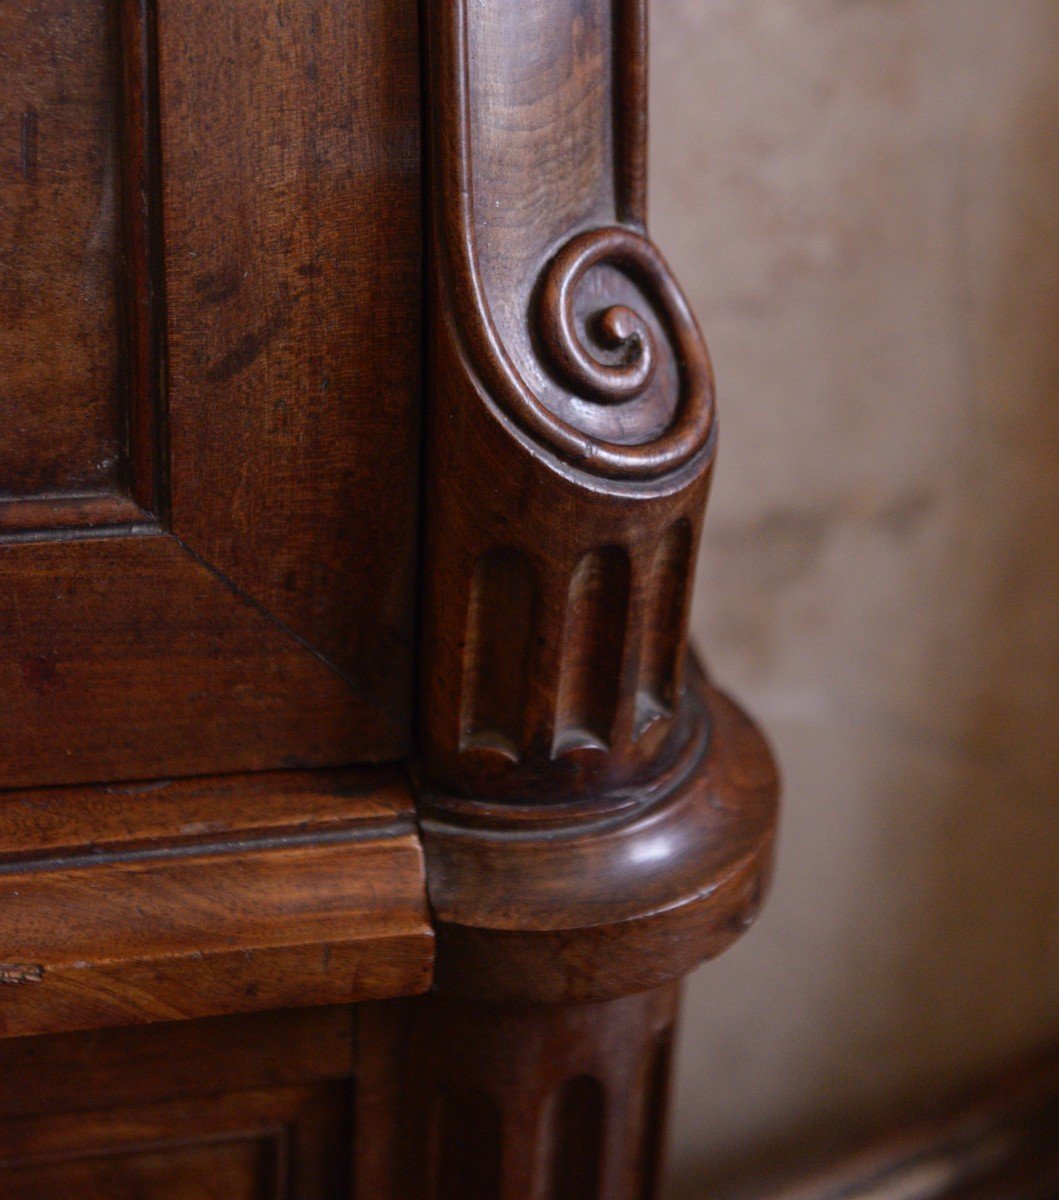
(583, 818)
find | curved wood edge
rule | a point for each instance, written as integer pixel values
(471, 236)
(590, 905)
(596, 819)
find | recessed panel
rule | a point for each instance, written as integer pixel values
(245, 1169)
(276, 1143)
(291, 199)
(210, 328)
(60, 352)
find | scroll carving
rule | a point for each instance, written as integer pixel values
(572, 421)
(596, 820)
(610, 354)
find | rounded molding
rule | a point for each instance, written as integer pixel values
(602, 900)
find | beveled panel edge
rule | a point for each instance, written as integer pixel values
(143, 276)
(135, 495)
(100, 514)
(138, 604)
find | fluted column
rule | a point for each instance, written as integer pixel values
(596, 818)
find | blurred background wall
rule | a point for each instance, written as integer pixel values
(860, 197)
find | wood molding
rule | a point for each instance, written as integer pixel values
(616, 894)
(571, 413)
(189, 898)
(252, 1105)
(572, 769)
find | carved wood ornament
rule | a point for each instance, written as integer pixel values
(206, 662)
(596, 818)
(569, 759)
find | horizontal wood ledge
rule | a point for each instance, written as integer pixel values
(127, 904)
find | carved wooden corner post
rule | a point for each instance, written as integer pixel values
(597, 819)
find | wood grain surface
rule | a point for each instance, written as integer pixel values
(60, 244)
(573, 770)
(176, 899)
(254, 1107)
(596, 819)
(210, 348)
(460, 1101)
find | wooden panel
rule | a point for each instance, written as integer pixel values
(59, 244)
(123, 658)
(267, 1145)
(139, 1065)
(237, 1169)
(215, 364)
(203, 897)
(237, 1106)
(292, 202)
(244, 182)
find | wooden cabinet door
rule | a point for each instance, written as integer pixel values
(209, 366)
(244, 1108)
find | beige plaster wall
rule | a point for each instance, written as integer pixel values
(860, 197)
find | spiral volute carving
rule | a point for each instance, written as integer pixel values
(612, 357)
(617, 328)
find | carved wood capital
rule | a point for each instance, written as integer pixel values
(571, 439)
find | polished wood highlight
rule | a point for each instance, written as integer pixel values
(596, 820)
(567, 370)
(615, 895)
(170, 899)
